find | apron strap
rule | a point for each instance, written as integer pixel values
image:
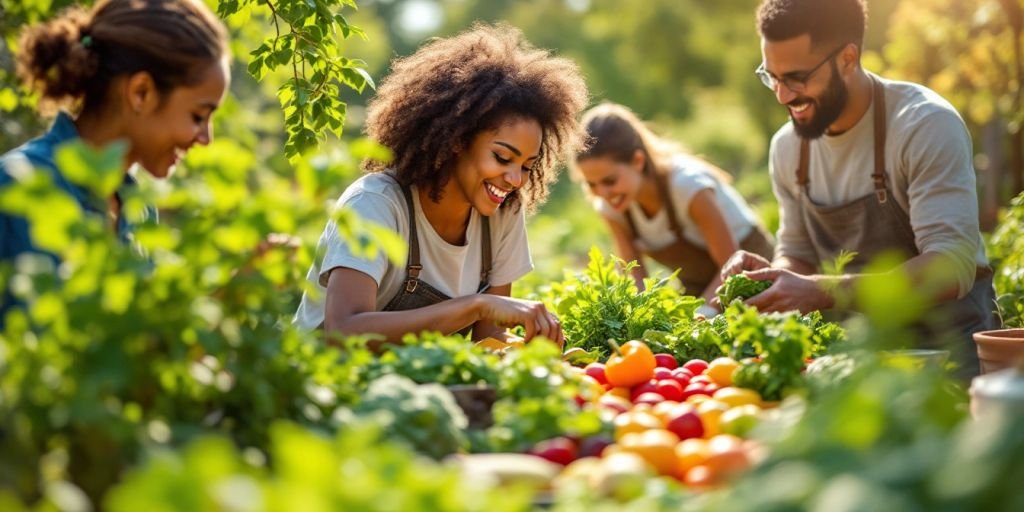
(632, 223)
(485, 255)
(673, 220)
(413, 268)
(879, 175)
(801, 170)
(670, 209)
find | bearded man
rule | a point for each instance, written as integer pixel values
(871, 166)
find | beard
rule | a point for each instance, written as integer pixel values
(827, 108)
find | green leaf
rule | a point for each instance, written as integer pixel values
(8, 99)
(99, 170)
(394, 246)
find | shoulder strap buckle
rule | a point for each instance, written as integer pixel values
(411, 284)
(414, 271)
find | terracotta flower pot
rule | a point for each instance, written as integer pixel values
(999, 349)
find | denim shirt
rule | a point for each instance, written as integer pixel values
(40, 152)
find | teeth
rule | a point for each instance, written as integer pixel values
(497, 192)
(800, 108)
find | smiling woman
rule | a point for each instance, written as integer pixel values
(148, 73)
(478, 124)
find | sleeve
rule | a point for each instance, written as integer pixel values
(793, 240)
(686, 182)
(512, 255)
(14, 229)
(338, 253)
(942, 192)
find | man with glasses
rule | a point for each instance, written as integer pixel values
(870, 166)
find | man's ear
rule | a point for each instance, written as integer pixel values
(849, 58)
(141, 95)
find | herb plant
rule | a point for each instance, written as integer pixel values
(739, 286)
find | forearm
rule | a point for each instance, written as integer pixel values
(447, 317)
(929, 275)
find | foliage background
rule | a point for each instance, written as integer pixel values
(685, 65)
(200, 366)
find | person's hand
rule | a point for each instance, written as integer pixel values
(740, 261)
(533, 316)
(743, 261)
(789, 291)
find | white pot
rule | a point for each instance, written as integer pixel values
(998, 393)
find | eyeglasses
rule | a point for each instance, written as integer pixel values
(795, 81)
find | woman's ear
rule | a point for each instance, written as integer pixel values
(141, 95)
(639, 161)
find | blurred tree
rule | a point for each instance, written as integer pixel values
(652, 58)
(970, 51)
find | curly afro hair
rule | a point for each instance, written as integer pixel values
(438, 99)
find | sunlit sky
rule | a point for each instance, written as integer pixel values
(420, 17)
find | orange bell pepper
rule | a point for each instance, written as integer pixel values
(632, 364)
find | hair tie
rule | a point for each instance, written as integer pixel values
(86, 41)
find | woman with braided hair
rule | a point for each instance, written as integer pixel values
(148, 73)
(478, 124)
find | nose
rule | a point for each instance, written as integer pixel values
(783, 94)
(514, 176)
(205, 135)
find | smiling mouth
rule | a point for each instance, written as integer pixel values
(617, 200)
(799, 108)
(496, 194)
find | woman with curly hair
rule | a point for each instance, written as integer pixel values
(660, 201)
(148, 73)
(478, 124)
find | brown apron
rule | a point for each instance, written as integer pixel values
(417, 293)
(875, 224)
(696, 267)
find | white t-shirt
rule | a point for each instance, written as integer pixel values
(928, 157)
(687, 177)
(454, 270)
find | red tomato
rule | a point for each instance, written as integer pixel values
(596, 370)
(694, 389)
(671, 390)
(666, 361)
(696, 366)
(650, 386)
(559, 450)
(686, 425)
(682, 376)
(649, 398)
(661, 373)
